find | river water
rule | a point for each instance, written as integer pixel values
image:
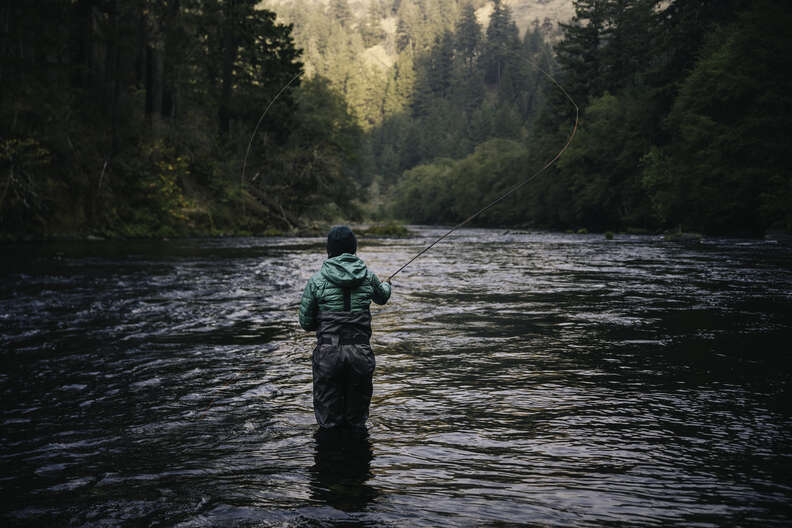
(522, 379)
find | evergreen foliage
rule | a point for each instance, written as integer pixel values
(726, 168)
(133, 118)
(683, 107)
(468, 86)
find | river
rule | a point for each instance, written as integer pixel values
(522, 379)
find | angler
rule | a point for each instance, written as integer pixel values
(335, 303)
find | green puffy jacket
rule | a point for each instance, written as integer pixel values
(325, 290)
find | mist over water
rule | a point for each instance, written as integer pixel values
(522, 378)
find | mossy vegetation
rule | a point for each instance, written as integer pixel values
(680, 236)
(386, 229)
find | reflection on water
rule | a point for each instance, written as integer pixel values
(522, 378)
(342, 469)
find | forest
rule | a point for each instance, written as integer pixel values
(210, 117)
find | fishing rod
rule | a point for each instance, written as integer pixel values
(241, 183)
(512, 190)
(250, 143)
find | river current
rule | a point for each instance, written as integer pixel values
(522, 379)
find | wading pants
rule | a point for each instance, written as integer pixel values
(343, 365)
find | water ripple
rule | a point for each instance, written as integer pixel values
(522, 378)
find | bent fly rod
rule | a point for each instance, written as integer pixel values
(258, 124)
(512, 190)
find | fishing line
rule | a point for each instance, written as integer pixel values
(250, 143)
(513, 189)
(241, 183)
(459, 225)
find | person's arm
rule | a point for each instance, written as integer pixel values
(381, 290)
(308, 308)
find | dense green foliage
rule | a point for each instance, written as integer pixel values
(469, 87)
(134, 118)
(683, 107)
(447, 190)
(725, 167)
(424, 78)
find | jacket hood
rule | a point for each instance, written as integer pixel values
(345, 270)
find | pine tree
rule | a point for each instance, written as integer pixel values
(726, 168)
(580, 52)
(370, 29)
(339, 10)
(403, 38)
(400, 86)
(501, 45)
(468, 36)
(441, 64)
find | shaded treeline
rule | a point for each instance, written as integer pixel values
(424, 77)
(684, 113)
(133, 118)
(470, 86)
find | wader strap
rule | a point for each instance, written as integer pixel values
(340, 340)
(347, 300)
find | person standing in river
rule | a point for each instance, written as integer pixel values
(335, 303)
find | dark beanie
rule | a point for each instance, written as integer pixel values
(341, 239)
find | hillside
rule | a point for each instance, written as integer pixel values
(524, 12)
(356, 45)
(444, 87)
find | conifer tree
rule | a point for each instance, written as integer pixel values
(580, 52)
(340, 11)
(468, 36)
(501, 45)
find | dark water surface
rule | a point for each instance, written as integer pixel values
(521, 379)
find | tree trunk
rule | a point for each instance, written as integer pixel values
(229, 55)
(154, 70)
(83, 48)
(141, 65)
(170, 80)
(7, 185)
(114, 74)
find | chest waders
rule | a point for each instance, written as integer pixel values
(343, 366)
